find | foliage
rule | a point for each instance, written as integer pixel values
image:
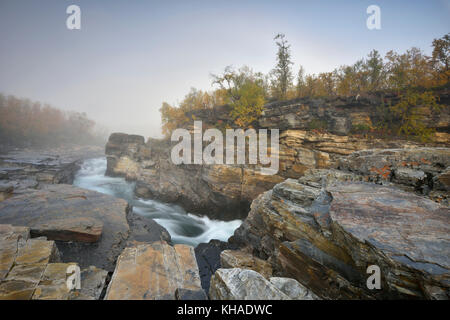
(361, 128)
(249, 106)
(27, 123)
(244, 91)
(317, 124)
(410, 113)
(440, 58)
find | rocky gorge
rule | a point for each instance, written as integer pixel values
(339, 204)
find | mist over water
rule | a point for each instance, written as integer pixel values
(183, 227)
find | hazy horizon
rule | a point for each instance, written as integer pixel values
(130, 56)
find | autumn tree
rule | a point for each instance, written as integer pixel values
(375, 70)
(27, 123)
(245, 92)
(441, 58)
(411, 112)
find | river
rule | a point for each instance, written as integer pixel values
(183, 227)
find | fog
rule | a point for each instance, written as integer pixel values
(130, 56)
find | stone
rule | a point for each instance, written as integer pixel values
(36, 251)
(16, 290)
(293, 288)
(208, 259)
(325, 229)
(414, 169)
(245, 260)
(82, 229)
(153, 272)
(93, 282)
(187, 294)
(53, 285)
(75, 215)
(29, 168)
(145, 230)
(6, 190)
(243, 284)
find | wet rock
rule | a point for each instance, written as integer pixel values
(208, 259)
(146, 230)
(244, 260)
(73, 214)
(154, 272)
(242, 284)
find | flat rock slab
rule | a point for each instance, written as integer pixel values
(406, 227)
(76, 216)
(82, 229)
(153, 272)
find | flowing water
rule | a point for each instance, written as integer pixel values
(183, 227)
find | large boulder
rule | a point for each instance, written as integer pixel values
(74, 217)
(153, 272)
(245, 284)
(326, 232)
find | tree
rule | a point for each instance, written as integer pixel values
(249, 106)
(301, 84)
(411, 111)
(375, 70)
(282, 71)
(441, 57)
(245, 92)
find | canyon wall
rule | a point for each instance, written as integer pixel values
(226, 191)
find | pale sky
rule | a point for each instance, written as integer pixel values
(132, 55)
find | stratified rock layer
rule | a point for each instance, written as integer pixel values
(153, 272)
(325, 232)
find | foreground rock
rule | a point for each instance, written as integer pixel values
(30, 269)
(325, 232)
(244, 284)
(155, 271)
(74, 217)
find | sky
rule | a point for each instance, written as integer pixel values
(131, 55)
